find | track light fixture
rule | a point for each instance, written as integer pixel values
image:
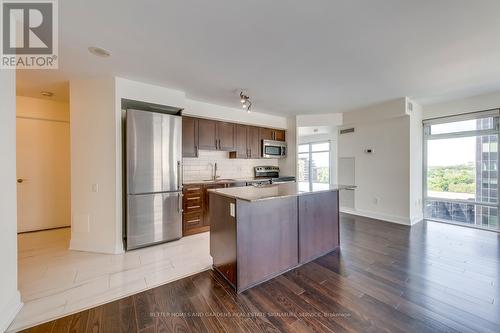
(245, 101)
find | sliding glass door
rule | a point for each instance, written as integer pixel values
(314, 166)
(461, 169)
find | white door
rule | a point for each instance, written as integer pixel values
(43, 174)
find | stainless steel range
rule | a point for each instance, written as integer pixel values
(273, 173)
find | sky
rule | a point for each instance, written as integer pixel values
(446, 152)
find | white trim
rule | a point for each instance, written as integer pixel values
(378, 216)
(79, 245)
(462, 117)
(10, 311)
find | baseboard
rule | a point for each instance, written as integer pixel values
(10, 311)
(416, 219)
(377, 216)
(77, 245)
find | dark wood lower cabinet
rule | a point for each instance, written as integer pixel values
(193, 210)
(195, 218)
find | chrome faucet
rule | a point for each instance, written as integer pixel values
(214, 172)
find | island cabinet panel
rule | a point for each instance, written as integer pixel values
(207, 134)
(223, 237)
(318, 225)
(206, 201)
(267, 239)
(189, 137)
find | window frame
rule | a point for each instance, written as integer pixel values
(427, 136)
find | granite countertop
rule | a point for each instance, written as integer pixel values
(223, 181)
(276, 191)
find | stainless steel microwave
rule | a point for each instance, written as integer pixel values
(273, 149)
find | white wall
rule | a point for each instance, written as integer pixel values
(389, 179)
(288, 165)
(29, 107)
(95, 151)
(237, 115)
(464, 105)
(383, 176)
(416, 163)
(10, 300)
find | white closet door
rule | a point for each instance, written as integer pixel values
(43, 174)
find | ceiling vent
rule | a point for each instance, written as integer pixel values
(347, 130)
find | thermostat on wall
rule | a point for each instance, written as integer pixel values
(368, 150)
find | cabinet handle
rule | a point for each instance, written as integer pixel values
(219, 144)
(193, 188)
(193, 221)
(193, 198)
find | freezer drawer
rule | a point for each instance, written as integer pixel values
(154, 152)
(153, 218)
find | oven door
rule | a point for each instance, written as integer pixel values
(273, 149)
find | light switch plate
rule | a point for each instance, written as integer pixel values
(232, 210)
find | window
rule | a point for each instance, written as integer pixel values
(461, 169)
(314, 166)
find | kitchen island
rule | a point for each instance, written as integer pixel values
(257, 233)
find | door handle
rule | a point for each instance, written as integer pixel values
(20, 180)
(179, 175)
(179, 203)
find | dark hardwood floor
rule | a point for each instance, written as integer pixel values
(432, 277)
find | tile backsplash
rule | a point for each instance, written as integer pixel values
(201, 168)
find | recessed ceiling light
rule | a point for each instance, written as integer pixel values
(46, 93)
(100, 52)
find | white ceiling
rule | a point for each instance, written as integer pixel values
(291, 56)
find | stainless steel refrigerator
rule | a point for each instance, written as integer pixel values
(153, 178)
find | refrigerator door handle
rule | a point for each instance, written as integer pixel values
(179, 206)
(179, 175)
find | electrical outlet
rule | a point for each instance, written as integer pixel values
(95, 188)
(232, 210)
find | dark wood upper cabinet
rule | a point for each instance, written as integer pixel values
(272, 134)
(266, 133)
(189, 137)
(253, 142)
(207, 134)
(225, 136)
(279, 135)
(242, 141)
(241, 146)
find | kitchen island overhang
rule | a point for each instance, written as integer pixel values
(258, 233)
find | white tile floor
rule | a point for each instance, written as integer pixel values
(55, 281)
